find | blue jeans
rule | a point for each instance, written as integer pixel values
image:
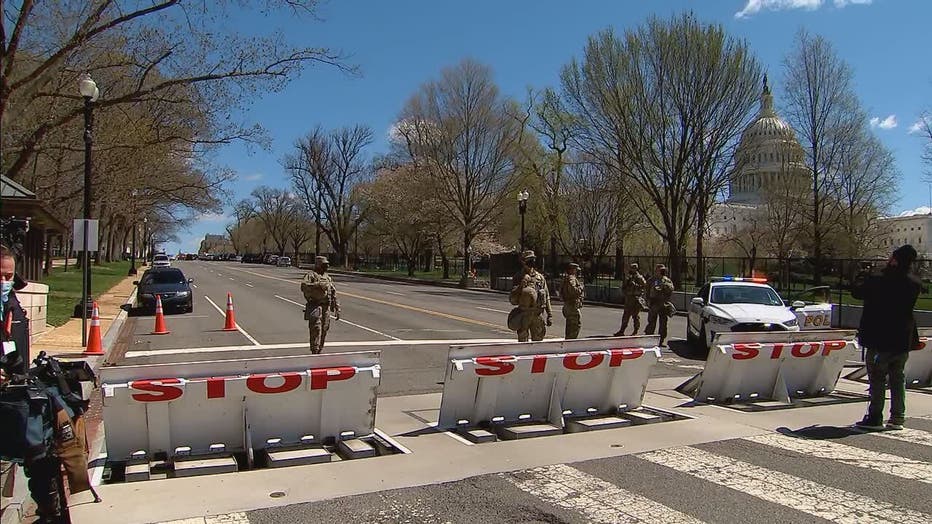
(882, 367)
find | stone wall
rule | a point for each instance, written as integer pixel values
(34, 299)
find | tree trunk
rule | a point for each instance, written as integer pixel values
(467, 242)
(412, 262)
(65, 249)
(675, 266)
(700, 262)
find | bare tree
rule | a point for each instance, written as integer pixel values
(865, 188)
(300, 228)
(396, 201)
(460, 131)
(593, 217)
(273, 207)
(325, 170)
(242, 212)
(659, 108)
(925, 132)
(823, 108)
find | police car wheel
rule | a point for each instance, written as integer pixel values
(703, 338)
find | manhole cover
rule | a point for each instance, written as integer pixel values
(277, 494)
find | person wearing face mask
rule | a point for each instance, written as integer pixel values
(14, 326)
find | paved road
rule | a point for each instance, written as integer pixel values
(269, 304)
(818, 474)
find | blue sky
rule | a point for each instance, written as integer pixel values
(399, 44)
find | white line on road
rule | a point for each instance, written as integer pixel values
(592, 497)
(395, 293)
(344, 344)
(391, 441)
(194, 286)
(231, 278)
(850, 455)
(490, 309)
(238, 328)
(798, 493)
(248, 284)
(343, 320)
(913, 436)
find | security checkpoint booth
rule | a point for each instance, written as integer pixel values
(197, 415)
(779, 367)
(516, 390)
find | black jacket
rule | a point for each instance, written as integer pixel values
(17, 362)
(887, 322)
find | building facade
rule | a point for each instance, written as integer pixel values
(908, 229)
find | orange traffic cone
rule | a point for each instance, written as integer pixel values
(160, 328)
(230, 324)
(94, 347)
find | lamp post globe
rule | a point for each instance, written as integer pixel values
(523, 196)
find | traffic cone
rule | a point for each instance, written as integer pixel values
(230, 324)
(160, 328)
(94, 347)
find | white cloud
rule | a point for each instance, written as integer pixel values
(212, 217)
(755, 6)
(251, 178)
(921, 210)
(884, 123)
(919, 126)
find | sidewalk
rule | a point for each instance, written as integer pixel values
(65, 340)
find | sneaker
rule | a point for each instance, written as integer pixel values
(894, 425)
(868, 424)
(619, 334)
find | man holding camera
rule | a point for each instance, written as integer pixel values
(888, 332)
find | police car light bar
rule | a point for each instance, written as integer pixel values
(729, 278)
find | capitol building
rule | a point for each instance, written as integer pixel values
(771, 170)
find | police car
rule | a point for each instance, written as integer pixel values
(737, 304)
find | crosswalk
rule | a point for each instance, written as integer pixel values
(815, 474)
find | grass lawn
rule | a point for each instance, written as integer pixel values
(65, 288)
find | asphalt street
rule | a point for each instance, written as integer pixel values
(824, 474)
(269, 312)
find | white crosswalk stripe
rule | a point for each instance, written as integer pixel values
(597, 500)
(913, 436)
(794, 492)
(850, 455)
(230, 518)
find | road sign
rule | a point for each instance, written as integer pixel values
(241, 404)
(521, 382)
(77, 240)
(748, 367)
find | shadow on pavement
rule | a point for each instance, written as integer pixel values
(817, 432)
(686, 350)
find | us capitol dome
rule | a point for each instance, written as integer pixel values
(769, 158)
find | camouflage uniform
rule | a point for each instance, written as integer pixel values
(321, 298)
(633, 290)
(572, 292)
(659, 293)
(532, 297)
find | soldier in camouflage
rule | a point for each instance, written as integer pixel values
(659, 293)
(321, 297)
(532, 297)
(572, 292)
(633, 291)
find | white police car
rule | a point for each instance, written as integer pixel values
(736, 304)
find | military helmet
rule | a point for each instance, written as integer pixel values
(572, 265)
(527, 254)
(514, 319)
(321, 261)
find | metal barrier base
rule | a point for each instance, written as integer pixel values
(836, 397)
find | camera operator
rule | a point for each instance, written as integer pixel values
(14, 331)
(14, 326)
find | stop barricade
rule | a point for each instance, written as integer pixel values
(519, 382)
(918, 370)
(744, 367)
(238, 405)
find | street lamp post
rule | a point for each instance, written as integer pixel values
(132, 262)
(89, 92)
(522, 208)
(356, 239)
(145, 240)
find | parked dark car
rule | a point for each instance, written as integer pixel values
(168, 283)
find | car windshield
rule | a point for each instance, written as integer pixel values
(745, 295)
(164, 277)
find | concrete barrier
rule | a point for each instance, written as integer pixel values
(238, 405)
(749, 367)
(545, 381)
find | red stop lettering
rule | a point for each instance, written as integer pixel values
(833, 345)
(256, 383)
(538, 363)
(799, 349)
(216, 387)
(619, 355)
(160, 390)
(921, 344)
(571, 360)
(776, 351)
(496, 365)
(321, 377)
(746, 351)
